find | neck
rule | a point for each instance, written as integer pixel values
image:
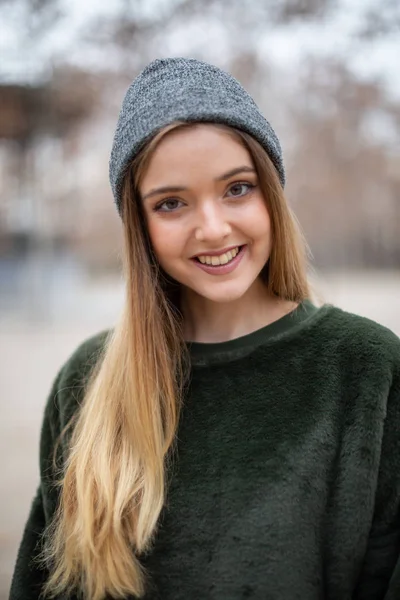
(212, 322)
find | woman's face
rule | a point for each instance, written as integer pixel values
(201, 199)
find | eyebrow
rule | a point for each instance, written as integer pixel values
(224, 177)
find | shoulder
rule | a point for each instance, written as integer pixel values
(62, 405)
(356, 336)
(70, 383)
(351, 326)
(81, 362)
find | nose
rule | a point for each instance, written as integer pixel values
(211, 223)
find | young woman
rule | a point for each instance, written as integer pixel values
(229, 439)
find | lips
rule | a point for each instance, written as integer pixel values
(222, 269)
(217, 252)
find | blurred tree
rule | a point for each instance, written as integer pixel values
(343, 134)
(135, 27)
(344, 189)
(67, 99)
(136, 24)
(30, 115)
(36, 17)
(381, 19)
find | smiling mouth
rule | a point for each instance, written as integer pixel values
(218, 261)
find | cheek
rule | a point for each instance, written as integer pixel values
(256, 220)
(165, 244)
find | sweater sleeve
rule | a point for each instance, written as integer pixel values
(28, 578)
(380, 574)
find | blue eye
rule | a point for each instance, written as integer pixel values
(240, 189)
(158, 207)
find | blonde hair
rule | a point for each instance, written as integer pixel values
(115, 478)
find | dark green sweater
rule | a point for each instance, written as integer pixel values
(287, 482)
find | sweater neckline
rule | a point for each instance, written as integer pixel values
(201, 351)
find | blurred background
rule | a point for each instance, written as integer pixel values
(324, 72)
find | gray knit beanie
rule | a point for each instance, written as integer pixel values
(184, 89)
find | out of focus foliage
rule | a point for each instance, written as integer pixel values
(340, 133)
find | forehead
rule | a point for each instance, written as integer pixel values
(201, 149)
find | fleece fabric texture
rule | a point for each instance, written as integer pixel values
(286, 484)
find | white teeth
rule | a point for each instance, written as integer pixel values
(223, 259)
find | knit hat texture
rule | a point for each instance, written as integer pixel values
(184, 89)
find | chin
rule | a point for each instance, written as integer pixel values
(221, 296)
